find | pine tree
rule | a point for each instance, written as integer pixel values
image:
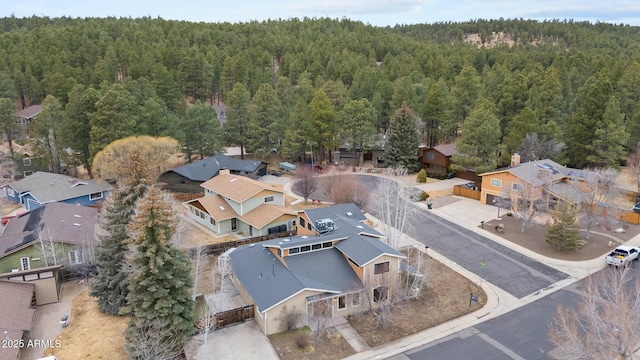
(110, 285)
(402, 147)
(607, 148)
(564, 233)
(478, 145)
(159, 295)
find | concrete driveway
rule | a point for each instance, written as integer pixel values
(243, 341)
(47, 322)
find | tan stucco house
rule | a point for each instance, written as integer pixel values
(348, 266)
(233, 203)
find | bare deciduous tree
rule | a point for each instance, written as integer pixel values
(205, 321)
(595, 191)
(343, 189)
(383, 296)
(319, 317)
(527, 200)
(392, 202)
(154, 341)
(417, 275)
(305, 182)
(606, 322)
(633, 164)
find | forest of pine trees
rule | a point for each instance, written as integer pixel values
(286, 83)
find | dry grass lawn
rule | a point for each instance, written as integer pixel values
(91, 334)
(300, 345)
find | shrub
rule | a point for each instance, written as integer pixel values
(422, 176)
(424, 196)
(302, 341)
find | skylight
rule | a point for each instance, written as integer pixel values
(222, 208)
(233, 180)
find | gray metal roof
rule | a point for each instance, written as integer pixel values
(47, 187)
(334, 211)
(66, 223)
(205, 169)
(363, 249)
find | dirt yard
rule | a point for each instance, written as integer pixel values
(300, 345)
(91, 334)
(599, 243)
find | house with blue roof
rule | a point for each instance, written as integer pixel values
(42, 188)
(188, 178)
(349, 268)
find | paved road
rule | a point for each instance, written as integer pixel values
(507, 269)
(520, 334)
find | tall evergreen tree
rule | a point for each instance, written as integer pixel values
(8, 121)
(235, 129)
(434, 113)
(402, 147)
(588, 112)
(478, 146)
(75, 128)
(111, 284)
(159, 295)
(358, 123)
(114, 118)
(264, 129)
(607, 148)
(46, 130)
(321, 126)
(202, 131)
(464, 94)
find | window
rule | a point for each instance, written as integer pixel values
(327, 244)
(342, 302)
(202, 215)
(24, 263)
(309, 226)
(316, 246)
(95, 196)
(26, 161)
(75, 257)
(268, 198)
(294, 250)
(381, 268)
(305, 248)
(302, 223)
(496, 182)
(437, 168)
(355, 299)
(213, 221)
(516, 187)
(234, 224)
(431, 156)
(380, 293)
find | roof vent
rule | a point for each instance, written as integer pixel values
(349, 214)
(77, 216)
(76, 224)
(304, 237)
(233, 180)
(222, 208)
(325, 225)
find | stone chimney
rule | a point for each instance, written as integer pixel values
(224, 172)
(515, 159)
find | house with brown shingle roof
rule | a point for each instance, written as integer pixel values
(238, 204)
(17, 311)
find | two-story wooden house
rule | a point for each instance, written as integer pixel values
(234, 203)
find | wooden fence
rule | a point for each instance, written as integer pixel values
(182, 197)
(234, 316)
(466, 192)
(219, 248)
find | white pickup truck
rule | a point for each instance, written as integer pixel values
(623, 255)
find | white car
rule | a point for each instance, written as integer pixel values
(623, 255)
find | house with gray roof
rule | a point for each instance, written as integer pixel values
(348, 269)
(535, 178)
(42, 188)
(188, 178)
(53, 234)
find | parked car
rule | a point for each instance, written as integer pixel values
(623, 255)
(636, 208)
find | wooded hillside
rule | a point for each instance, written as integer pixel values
(568, 82)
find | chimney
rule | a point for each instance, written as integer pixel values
(224, 172)
(515, 159)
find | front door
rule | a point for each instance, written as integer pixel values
(234, 224)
